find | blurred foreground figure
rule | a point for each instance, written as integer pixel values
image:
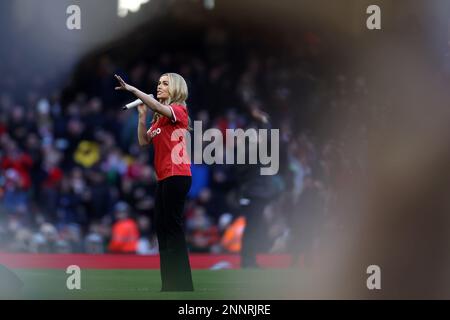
(10, 284)
(255, 192)
(398, 219)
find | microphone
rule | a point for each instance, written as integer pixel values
(134, 104)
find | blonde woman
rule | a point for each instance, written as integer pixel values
(174, 176)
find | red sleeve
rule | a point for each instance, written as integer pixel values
(179, 113)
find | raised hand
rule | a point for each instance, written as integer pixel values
(123, 85)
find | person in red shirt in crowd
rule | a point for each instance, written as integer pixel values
(20, 162)
(172, 166)
(125, 231)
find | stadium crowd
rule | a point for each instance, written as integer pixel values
(73, 178)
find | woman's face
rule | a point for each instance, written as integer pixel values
(163, 88)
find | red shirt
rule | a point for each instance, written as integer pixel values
(22, 163)
(169, 141)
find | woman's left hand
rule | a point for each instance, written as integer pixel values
(123, 85)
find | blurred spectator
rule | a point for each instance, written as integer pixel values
(97, 195)
(94, 241)
(125, 232)
(87, 154)
(70, 239)
(148, 243)
(19, 162)
(200, 179)
(232, 238)
(201, 233)
(307, 221)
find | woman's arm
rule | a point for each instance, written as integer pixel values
(143, 138)
(149, 101)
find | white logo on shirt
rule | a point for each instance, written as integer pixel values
(155, 132)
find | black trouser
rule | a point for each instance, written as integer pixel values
(254, 239)
(169, 223)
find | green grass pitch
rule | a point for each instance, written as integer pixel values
(249, 284)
